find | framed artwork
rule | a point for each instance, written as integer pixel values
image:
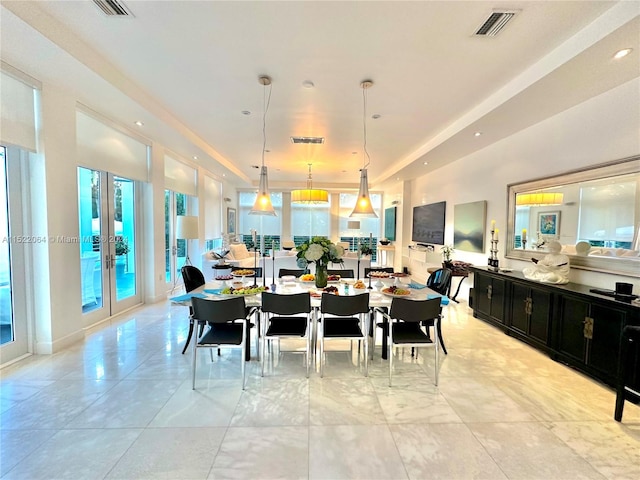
(231, 220)
(549, 223)
(390, 223)
(469, 221)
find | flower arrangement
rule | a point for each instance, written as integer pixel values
(447, 252)
(320, 250)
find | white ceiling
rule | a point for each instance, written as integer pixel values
(188, 70)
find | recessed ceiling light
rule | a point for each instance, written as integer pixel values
(246, 112)
(622, 53)
(425, 163)
(139, 123)
(376, 116)
(477, 134)
(267, 151)
(195, 157)
(308, 84)
(224, 174)
(397, 178)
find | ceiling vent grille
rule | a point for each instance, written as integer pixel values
(493, 25)
(113, 8)
(315, 140)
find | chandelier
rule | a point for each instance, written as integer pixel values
(310, 195)
(363, 207)
(539, 199)
(263, 205)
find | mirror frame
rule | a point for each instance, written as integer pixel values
(611, 265)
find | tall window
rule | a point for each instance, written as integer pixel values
(310, 221)
(268, 228)
(369, 229)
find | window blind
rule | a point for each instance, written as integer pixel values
(180, 177)
(102, 147)
(18, 116)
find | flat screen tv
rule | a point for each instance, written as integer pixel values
(428, 223)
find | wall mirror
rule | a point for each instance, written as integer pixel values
(594, 213)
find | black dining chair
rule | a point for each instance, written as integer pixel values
(296, 272)
(405, 317)
(286, 316)
(627, 375)
(192, 278)
(344, 273)
(440, 281)
(344, 317)
(228, 326)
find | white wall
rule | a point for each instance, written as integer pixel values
(602, 129)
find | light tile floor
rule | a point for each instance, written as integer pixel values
(120, 406)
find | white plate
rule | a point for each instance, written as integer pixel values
(389, 294)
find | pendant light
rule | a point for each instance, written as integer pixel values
(363, 207)
(263, 205)
(310, 195)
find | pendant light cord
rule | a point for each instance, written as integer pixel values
(265, 103)
(366, 156)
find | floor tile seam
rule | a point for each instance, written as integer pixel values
(115, 464)
(493, 459)
(215, 457)
(576, 452)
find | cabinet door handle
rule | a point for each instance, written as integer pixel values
(588, 328)
(489, 292)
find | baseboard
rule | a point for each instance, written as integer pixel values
(47, 348)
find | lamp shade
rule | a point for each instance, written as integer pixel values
(363, 207)
(263, 205)
(187, 227)
(539, 199)
(310, 195)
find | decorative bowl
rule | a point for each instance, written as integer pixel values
(384, 242)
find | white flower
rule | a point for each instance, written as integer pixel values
(314, 252)
(336, 251)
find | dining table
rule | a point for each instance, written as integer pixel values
(379, 295)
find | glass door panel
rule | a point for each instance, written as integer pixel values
(124, 229)
(91, 239)
(6, 302)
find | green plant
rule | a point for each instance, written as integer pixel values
(447, 252)
(122, 247)
(320, 250)
(365, 250)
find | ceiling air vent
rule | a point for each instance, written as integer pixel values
(493, 25)
(113, 8)
(307, 139)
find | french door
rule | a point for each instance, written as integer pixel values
(14, 341)
(109, 258)
(175, 204)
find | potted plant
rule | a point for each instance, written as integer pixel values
(447, 252)
(122, 248)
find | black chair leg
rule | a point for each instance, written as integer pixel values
(444, 349)
(186, 344)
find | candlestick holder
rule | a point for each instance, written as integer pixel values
(524, 244)
(493, 262)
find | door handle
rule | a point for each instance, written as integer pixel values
(588, 328)
(489, 291)
(113, 261)
(107, 262)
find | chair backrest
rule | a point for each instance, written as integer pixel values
(258, 270)
(378, 269)
(286, 304)
(415, 310)
(218, 311)
(296, 272)
(440, 281)
(343, 273)
(344, 305)
(192, 277)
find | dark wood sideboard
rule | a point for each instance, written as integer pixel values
(573, 325)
